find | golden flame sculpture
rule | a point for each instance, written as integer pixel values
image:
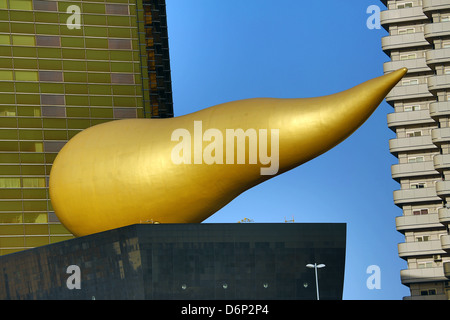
(184, 169)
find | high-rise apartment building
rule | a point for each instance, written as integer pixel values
(66, 66)
(419, 39)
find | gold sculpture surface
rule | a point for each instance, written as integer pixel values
(184, 169)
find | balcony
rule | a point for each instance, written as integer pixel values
(402, 41)
(401, 15)
(415, 91)
(447, 269)
(440, 82)
(444, 215)
(435, 30)
(415, 169)
(443, 188)
(410, 196)
(438, 56)
(401, 119)
(411, 144)
(409, 276)
(421, 248)
(413, 65)
(441, 135)
(441, 162)
(445, 242)
(439, 109)
(435, 5)
(407, 223)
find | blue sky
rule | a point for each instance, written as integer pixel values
(235, 49)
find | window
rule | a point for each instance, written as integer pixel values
(412, 108)
(112, 8)
(6, 75)
(404, 5)
(410, 82)
(51, 76)
(54, 112)
(52, 99)
(445, 18)
(406, 30)
(5, 39)
(446, 44)
(33, 182)
(419, 185)
(9, 182)
(45, 5)
(429, 292)
(53, 146)
(414, 134)
(26, 75)
(122, 78)
(120, 113)
(119, 43)
(20, 5)
(418, 212)
(7, 111)
(423, 265)
(422, 238)
(416, 159)
(48, 41)
(408, 56)
(447, 70)
(23, 40)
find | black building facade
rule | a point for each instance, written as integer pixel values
(183, 262)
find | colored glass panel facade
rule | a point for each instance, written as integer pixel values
(66, 66)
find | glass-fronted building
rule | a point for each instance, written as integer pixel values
(66, 66)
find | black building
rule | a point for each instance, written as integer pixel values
(183, 261)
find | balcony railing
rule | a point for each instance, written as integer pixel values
(444, 215)
(402, 15)
(424, 221)
(440, 135)
(421, 248)
(438, 29)
(439, 82)
(408, 118)
(439, 109)
(411, 144)
(409, 196)
(437, 56)
(422, 275)
(415, 91)
(413, 65)
(402, 41)
(416, 169)
(435, 5)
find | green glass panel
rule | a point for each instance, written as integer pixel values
(5, 51)
(74, 65)
(3, 4)
(99, 89)
(10, 206)
(20, 4)
(36, 241)
(78, 123)
(102, 113)
(118, 21)
(27, 87)
(33, 170)
(32, 158)
(54, 123)
(9, 183)
(97, 54)
(121, 67)
(49, 52)
(11, 242)
(75, 42)
(6, 75)
(73, 53)
(98, 66)
(52, 29)
(10, 158)
(52, 87)
(35, 217)
(50, 157)
(11, 217)
(33, 182)
(31, 146)
(119, 32)
(34, 193)
(55, 135)
(96, 43)
(101, 101)
(58, 229)
(30, 134)
(27, 98)
(9, 146)
(45, 64)
(29, 111)
(9, 170)
(25, 64)
(124, 102)
(6, 134)
(22, 27)
(55, 239)
(20, 40)
(5, 39)
(8, 122)
(6, 63)
(29, 123)
(24, 52)
(99, 77)
(124, 90)
(76, 89)
(93, 8)
(94, 20)
(38, 228)
(75, 77)
(118, 55)
(72, 133)
(95, 31)
(77, 112)
(11, 194)
(7, 98)
(34, 205)
(48, 17)
(77, 100)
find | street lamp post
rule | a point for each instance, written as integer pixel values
(316, 266)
